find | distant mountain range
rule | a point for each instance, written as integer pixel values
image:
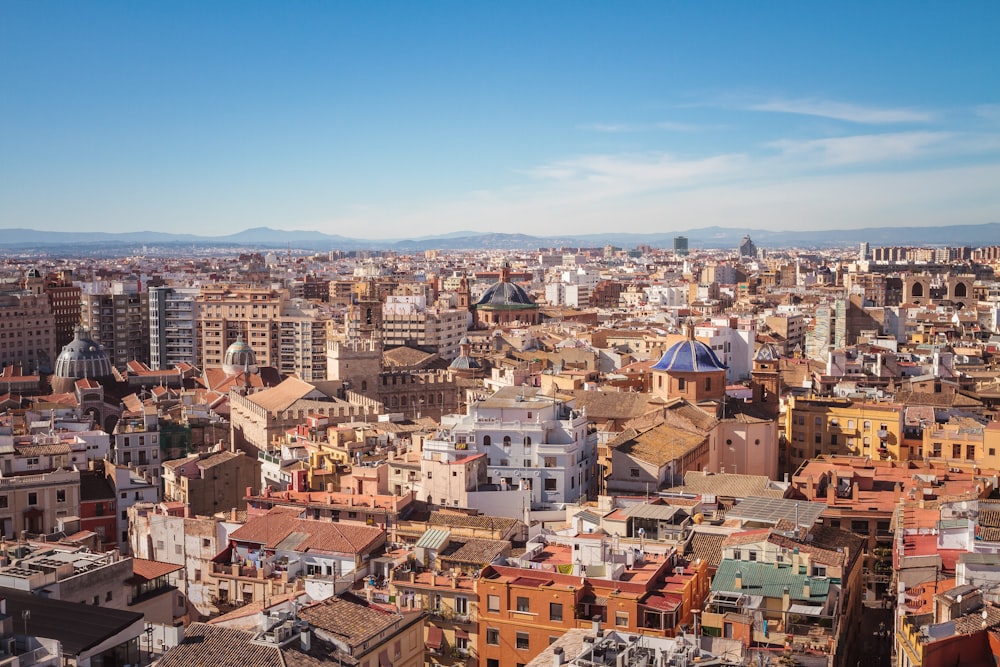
(706, 238)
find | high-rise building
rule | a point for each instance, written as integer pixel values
(407, 320)
(227, 312)
(863, 251)
(681, 246)
(117, 315)
(302, 341)
(27, 331)
(64, 298)
(747, 247)
(173, 326)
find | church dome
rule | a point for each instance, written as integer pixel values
(239, 357)
(464, 363)
(83, 357)
(689, 356)
(505, 295)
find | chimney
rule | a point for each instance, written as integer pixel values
(596, 624)
(786, 599)
(413, 577)
(805, 590)
(305, 639)
(557, 656)
(232, 514)
(738, 581)
(454, 581)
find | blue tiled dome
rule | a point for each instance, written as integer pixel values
(689, 356)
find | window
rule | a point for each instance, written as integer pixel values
(737, 554)
(523, 604)
(492, 603)
(493, 636)
(956, 451)
(555, 611)
(32, 498)
(550, 462)
(970, 452)
(833, 438)
(124, 515)
(552, 484)
(461, 606)
(633, 472)
(859, 526)
(521, 641)
(621, 619)
(107, 597)
(177, 549)
(681, 384)
(206, 542)
(492, 662)
(753, 555)
(3, 502)
(708, 384)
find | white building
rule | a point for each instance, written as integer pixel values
(173, 329)
(531, 442)
(137, 441)
(734, 347)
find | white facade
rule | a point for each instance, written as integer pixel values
(173, 330)
(734, 347)
(137, 443)
(531, 441)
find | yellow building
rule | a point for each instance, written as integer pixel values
(818, 426)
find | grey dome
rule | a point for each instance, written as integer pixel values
(83, 357)
(239, 357)
(505, 294)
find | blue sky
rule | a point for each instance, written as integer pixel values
(394, 119)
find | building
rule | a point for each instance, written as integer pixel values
(117, 316)
(173, 327)
(302, 341)
(36, 503)
(747, 248)
(137, 439)
(210, 482)
(691, 370)
(278, 553)
(681, 246)
(407, 320)
(228, 312)
(64, 300)
(532, 442)
(27, 331)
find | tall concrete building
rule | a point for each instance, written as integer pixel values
(302, 340)
(173, 326)
(27, 331)
(117, 315)
(226, 312)
(407, 320)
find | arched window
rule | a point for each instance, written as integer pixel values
(506, 441)
(364, 385)
(527, 440)
(960, 290)
(918, 290)
(487, 441)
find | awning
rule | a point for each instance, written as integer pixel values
(461, 634)
(435, 638)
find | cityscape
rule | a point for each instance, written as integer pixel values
(499, 334)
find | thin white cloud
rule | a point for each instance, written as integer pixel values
(846, 111)
(665, 125)
(860, 149)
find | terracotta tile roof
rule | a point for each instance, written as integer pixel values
(151, 569)
(658, 445)
(479, 552)
(226, 647)
(353, 620)
(282, 523)
(280, 398)
(706, 546)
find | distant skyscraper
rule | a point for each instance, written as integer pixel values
(747, 247)
(681, 246)
(863, 251)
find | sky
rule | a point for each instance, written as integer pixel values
(401, 119)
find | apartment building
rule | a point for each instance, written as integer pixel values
(227, 312)
(117, 315)
(27, 331)
(173, 326)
